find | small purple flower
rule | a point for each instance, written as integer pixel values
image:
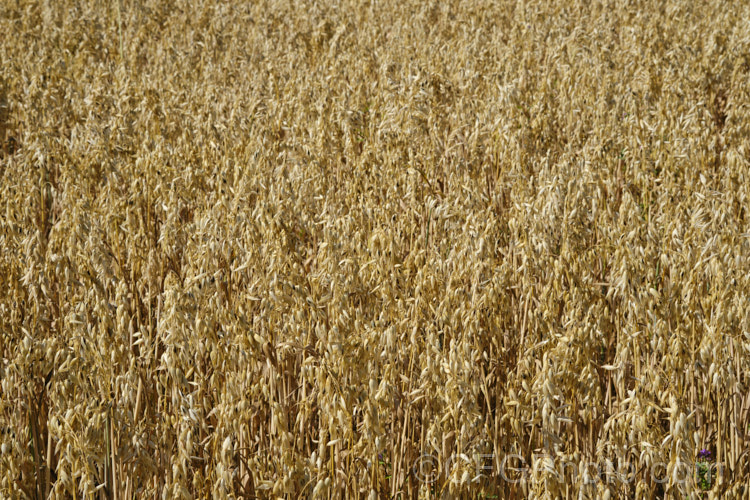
(704, 470)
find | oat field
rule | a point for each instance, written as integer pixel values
(392, 249)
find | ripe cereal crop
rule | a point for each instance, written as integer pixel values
(378, 250)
